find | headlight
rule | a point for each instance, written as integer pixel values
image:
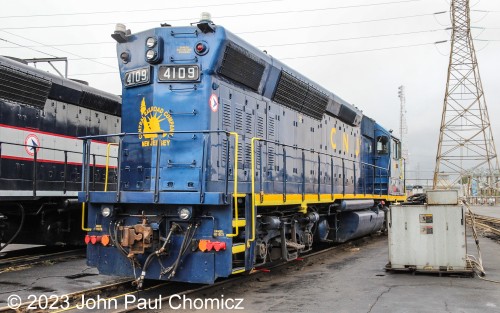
(150, 55)
(106, 211)
(184, 214)
(151, 42)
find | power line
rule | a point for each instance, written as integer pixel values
(70, 44)
(317, 55)
(261, 45)
(361, 51)
(487, 40)
(350, 38)
(298, 43)
(259, 31)
(303, 57)
(139, 10)
(37, 42)
(219, 17)
(485, 11)
(98, 73)
(341, 23)
(21, 46)
(275, 45)
(94, 58)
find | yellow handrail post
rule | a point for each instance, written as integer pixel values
(252, 150)
(235, 188)
(107, 165)
(83, 219)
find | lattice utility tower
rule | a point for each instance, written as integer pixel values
(403, 128)
(466, 140)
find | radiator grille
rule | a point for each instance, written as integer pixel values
(242, 67)
(23, 88)
(99, 103)
(300, 96)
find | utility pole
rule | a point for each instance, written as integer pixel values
(465, 140)
(403, 127)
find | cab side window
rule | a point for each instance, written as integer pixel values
(382, 145)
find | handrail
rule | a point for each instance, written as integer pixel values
(235, 188)
(362, 164)
(108, 148)
(34, 171)
(171, 133)
(88, 139)
(85, 168)
(157, 173)
(320, 153)
(83, 219)
(36, 160)
(0, 159)
(252, 161)
(224, 131)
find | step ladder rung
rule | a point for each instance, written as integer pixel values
(238, 270)
(241, 222)
(238, 248)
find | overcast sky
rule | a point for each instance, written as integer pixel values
(362, 50)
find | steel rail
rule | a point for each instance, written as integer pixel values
(12, 263)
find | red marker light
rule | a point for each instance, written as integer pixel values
(218, 245)
(210, 245)
(87, 239)
(95, 239)
(207, 245)
(200, 48)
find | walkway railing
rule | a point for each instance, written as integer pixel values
(36, 161)
(379, 176)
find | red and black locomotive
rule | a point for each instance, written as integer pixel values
(41, 118)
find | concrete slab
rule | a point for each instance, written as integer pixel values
(348, 280)
(50, 279)
(354, 280)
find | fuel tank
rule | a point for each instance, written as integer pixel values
(356, 224)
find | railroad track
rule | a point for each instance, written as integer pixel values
(16, 260)
(487, 223)
(122, 296)
(71, 300)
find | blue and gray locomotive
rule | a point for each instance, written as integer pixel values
(41, 118)
(229, 159)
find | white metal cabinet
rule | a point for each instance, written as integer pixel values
(427, 238)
